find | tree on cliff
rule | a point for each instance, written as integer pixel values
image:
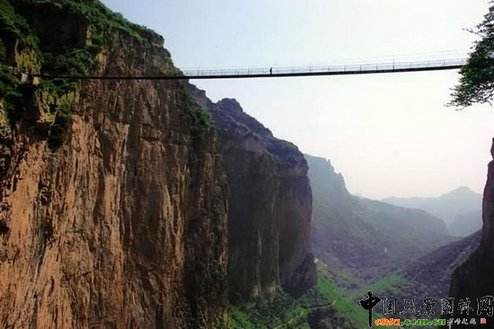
(476, 83)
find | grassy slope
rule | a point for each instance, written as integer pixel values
(324, 306)
(20, 37)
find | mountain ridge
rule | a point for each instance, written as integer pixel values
(459, 208)
(365, 238)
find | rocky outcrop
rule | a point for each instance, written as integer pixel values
(123, 225)
(270, 206)
(474, 277)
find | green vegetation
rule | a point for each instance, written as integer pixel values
(196, 116)
(59, 127)
(201, 117)
(71, 62)
(4, 122)
(8, 94)
(347, 309)
(391, 285)
(25, 46)
(428, 276)
(13, 27)
(103, 21)
(324, 306)
(281, 311)
(478, 74)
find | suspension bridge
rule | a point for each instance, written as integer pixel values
(279, 72)
(346, 69)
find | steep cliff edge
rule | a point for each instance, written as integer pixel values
(270, 205)
(113, 201)
(474, 277)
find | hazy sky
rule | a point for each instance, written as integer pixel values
(389, 135)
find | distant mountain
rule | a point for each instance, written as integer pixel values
(428, 276)
(363, 238)
(466, 223)
(460, 209)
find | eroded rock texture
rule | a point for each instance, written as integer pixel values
(270, 205)
(124, 225)
(113, 193)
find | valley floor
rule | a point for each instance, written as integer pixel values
(325, 306)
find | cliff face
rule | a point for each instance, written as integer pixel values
(123, 223)
(270, 206)
(474, 277)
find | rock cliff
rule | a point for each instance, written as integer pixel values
(474, 277)
(270, 205)
(113, 200)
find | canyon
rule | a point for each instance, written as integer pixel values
(119, 206)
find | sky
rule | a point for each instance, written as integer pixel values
(389, 134)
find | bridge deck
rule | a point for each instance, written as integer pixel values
(279, 72)
(274, 72)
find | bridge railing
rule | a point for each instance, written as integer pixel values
(374, 67)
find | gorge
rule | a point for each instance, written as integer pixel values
(141, 203)
(116, 209)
